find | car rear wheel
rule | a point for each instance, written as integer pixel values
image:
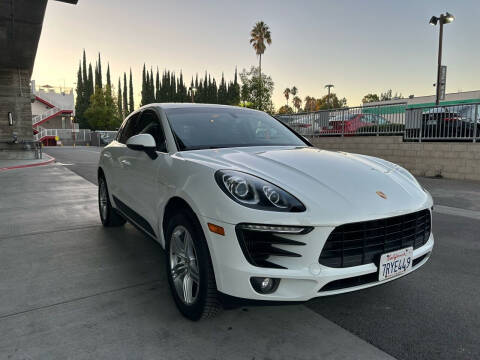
(108, 215)
(189, 269)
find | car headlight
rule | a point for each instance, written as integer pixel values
(256, 193)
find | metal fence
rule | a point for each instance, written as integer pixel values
(443, 123)
(361, 120)
(427, 123)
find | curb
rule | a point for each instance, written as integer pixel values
(49, 161)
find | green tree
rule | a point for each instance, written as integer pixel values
(260, 36)
(331, 103)
(157, 87)
(233, 92)
(80, 103)
(130, 94)
(370, 98)
(250, 90)
(97, 113)
(294, 91)
(119, 100)
(125, 94)
(285, 109)
(144, 87)
(387, 95)
(310, 104)
(286, 93)
(297, 103)
(89, 88)
(100, 83)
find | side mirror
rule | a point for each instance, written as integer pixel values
(143, 142)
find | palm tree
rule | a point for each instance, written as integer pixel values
(297, 102)
(259, 37)
(310, 104)
(286, 93)
(294, 91)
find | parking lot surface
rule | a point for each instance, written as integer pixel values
(71, 288)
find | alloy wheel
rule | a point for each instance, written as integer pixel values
(103, 199)
(184, 265)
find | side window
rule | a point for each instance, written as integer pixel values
(128, 129)
(150, 124)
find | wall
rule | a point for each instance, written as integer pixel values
(451, 160)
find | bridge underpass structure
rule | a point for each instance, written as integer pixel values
(21, 24)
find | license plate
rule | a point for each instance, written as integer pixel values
(431, 122)
(395, 263)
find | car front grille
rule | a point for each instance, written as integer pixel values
(360, 280)
(363, 242)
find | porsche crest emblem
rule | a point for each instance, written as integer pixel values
(381, 194)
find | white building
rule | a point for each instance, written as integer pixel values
(52, 108)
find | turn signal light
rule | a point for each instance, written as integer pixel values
(216, 229)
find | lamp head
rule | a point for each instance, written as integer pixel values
(449, 18)
(433, 21)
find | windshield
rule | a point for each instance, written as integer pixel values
(208, 128)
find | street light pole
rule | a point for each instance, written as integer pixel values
(442, 19)
(328, 97)
(440, 41)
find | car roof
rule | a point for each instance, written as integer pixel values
(192, 106)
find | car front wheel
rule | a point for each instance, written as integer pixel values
(189, 269)
(108, 215)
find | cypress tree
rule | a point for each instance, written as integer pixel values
(144, 86)
(90, 89)
(100, 83)
(130, 94)
(214, 92)
(125, 103)
(97, 78)
(108, 88)
(119, 100)
(157, 87)
(109, 83)
(222, 91)
(79, 103)
(151, 88)
(84, 75)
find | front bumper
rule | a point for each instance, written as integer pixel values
(304, 277)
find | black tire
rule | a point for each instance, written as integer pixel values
(206, 304)
(109, 216)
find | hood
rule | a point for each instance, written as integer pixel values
(332, 183)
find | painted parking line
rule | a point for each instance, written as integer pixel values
(448, 210)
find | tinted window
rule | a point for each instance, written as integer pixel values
(150, 124)
(204, 128)
(128, 128)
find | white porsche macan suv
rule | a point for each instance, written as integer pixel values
(247, 209)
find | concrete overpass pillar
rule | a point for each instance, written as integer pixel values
(20, 27)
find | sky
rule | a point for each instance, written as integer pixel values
(361, 47)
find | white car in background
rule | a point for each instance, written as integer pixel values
(246, 208)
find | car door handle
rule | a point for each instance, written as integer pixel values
(107, 155)
(125, 163)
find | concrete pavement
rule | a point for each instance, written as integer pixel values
(70, 288)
